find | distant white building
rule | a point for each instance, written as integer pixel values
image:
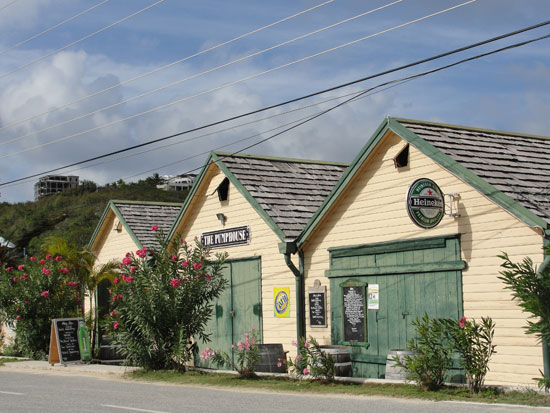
(177, 183)
(51, 184)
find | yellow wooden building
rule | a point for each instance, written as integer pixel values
(247, 205)
(383, 265)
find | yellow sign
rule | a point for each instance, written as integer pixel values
(281, 302)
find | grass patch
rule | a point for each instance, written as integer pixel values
(283, 384)
(4, 360)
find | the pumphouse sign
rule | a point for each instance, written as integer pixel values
(425, 203)
(226, 237)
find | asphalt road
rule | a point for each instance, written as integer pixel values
(44, 393)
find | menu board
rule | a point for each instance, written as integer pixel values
(317, 309)
(66, 330)
(354, 313)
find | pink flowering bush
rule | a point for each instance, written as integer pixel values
(311, 361)
(246, 355)
(31, 295)
(160, 306)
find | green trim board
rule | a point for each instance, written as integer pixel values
(401, 269)
(445, 161)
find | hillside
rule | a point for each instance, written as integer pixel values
(72, 214)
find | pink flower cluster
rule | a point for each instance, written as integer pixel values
(207, 354)
(175, 283)
(72, 284)
(154, 228)
(64, 270)
(45, 294)
(142, 253)
(127, 278)
(462, 322)
(248, 342)
(46, 271)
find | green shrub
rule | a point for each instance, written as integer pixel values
(432, 354)
(311, 361)
(33, 294)
(162, 302)
(474, 343)
(246, 355)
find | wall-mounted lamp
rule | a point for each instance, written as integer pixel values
(118, 227)
(453, 202)
(222, 218)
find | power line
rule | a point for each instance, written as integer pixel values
(321, 92)
(231, 83)
(52, 27)
(79, 40)
(172, 84)
(8, 5)
(158, 69)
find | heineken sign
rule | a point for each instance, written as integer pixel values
(226, 237)
(425, 203)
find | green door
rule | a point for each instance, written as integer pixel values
(414, 277)
(237, 310)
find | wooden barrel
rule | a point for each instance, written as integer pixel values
(270, 354)
(394, 372)
(342, 360)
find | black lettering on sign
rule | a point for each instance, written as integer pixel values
(317, 309)
(226, 237)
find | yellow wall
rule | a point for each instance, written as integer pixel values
(372, 209)
(201, 217)
(110, 244)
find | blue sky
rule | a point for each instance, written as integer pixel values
(509, 91)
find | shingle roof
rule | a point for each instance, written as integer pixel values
(289, 190)
(141, 217)
(515, 164)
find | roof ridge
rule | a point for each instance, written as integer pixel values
(120, 201)
(470, 128)
(277, 158)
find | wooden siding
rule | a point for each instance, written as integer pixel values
(372, 209)
(201, 217)
(111, 244)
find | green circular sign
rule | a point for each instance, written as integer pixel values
(425, 203)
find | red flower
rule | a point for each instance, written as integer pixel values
(14, 279)
(64, 270)
(45, 294)
(127, 260)
(32, 258)
(49, 257)
(20, 268)
(208, 277)
(174, 257)
(72, 283)
(129, 279)
(115, 325)
(184, 264)
(42, 262)
(154, 228)
(78, 299)
(115, 280)
(46, 271)
(175, 283)
(462, 322)
(133, 270)
(9, 268)
(197, 266)
(18, 317)
(59, 258)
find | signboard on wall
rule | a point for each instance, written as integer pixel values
(227, 237)
(354, 313)
(373, 297)
(317, 297)
(69, 342)
(281, 302)
(425, 203)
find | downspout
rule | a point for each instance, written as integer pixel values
(545, 266)
(287, 248)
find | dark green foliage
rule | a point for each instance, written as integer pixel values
(162, 302)
(432, 354)
(72, 214)
(531, 289)
(474, 342)
(33, 294)
(312, 361)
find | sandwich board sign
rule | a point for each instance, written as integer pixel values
(69, 341)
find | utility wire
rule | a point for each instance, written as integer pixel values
(7, 5)
(158, 69)
(172, 84)
(231, 83)
(51, 28)
(304, 97)
(79, 40)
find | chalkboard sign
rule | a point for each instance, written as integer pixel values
(354, 313)
(317, 309)
(68, 341)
